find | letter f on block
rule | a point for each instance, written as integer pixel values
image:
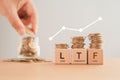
(94, 55)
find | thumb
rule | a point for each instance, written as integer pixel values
(16, 23)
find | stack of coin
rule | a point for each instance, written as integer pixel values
(78, 42)
(96, 40)
(29, 47)
(62, 46)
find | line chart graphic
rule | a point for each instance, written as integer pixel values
(73, 29)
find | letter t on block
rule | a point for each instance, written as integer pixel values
(62, 56)
(79, 56)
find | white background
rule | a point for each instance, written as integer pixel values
(53, 14)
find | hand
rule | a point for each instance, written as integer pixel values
(20, 13)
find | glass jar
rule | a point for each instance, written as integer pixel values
(29, 47)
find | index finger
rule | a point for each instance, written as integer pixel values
(34, 21)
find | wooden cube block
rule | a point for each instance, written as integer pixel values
(62, 56)
(79, 56)
(95, 56)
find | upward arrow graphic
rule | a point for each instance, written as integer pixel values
(73, 29)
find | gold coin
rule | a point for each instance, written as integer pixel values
(96, 40)
(77, 46)
(62, 46)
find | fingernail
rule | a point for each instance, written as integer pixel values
(21, 32)
(35, 31)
